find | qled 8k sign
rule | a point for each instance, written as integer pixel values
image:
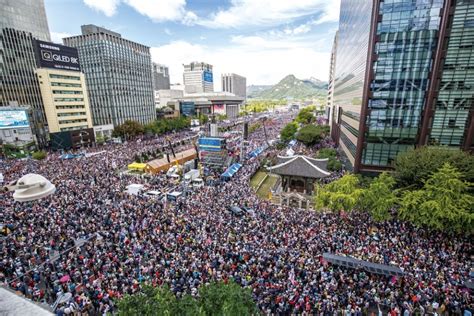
(51, 55)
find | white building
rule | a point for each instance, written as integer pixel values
(235, 84)
(164, 96)
(198, 78)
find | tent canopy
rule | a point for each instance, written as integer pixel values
(137, 166)
(256, 152)
(229, 173)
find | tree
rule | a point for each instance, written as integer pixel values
(128, 129)
(213, 299)
(331, 155)
(342, 194)
(311, 134)
(414, 167)
(39, 155)
(442, 204)
(150, 301)
(288, 132)
(379, 198)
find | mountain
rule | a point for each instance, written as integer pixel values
(253, 89)
(290, 87)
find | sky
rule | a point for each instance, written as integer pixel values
(262, 40)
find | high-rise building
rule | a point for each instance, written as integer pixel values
(234, 84)
(25, 15)
(161, 77)
(19, 84)
(198, 78)
(403, 78)
(332, 73)
(21, 21)
(118, 76)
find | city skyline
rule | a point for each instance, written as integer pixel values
(296, 36)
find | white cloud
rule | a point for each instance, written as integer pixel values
(108, 7)
(261, 60)
(57, 37)
(168, 31)
(159, 10)
(269, 12)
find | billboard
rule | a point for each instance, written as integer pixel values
(188, 108)
(13, 119)
(218, 108)
(211, 144)
(207, 76)
(51, 55)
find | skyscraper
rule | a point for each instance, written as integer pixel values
(118, 76)
(25, 15)
(21, 21)
(332, 73)
(402, 78)
(161, 77)
(234, 84)
(198, 78)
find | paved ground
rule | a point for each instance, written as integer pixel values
(13, 305)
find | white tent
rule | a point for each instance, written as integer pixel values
(134, 189)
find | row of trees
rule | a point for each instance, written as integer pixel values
(258, 106)
(309, 133)
(437, 195)
(213, 299)
(130, 129)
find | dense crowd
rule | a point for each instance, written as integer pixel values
(276, 253)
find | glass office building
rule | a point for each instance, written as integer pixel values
(25, 15)
(414, 84)
(118, 76)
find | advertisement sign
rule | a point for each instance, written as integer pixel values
(51, 55)
(207, 76)
(188, 108)
(13, 119)
(210, 144)
(218, 109)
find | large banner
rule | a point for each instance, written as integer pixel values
(207, 76)
(13, 119)
(51, 55)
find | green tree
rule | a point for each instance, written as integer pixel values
(150, 301)
(379, 198)
(331, 155)
(128, 129)
(414, 167)
(342, 194)
(288, 132)
(39, 155)
(214, 299)
(226, 299)
(311, 134)
(305, 117)
(442, 204)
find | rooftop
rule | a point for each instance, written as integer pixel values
(301, 166)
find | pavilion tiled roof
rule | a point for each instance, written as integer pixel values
(301, 166)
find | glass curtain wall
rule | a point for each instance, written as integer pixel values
(456, 89)
(406, 41)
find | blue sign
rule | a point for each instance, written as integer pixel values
(207, 76)
(188, 108)
(210, 144)
(13, 119)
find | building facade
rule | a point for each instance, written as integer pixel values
(198, 78)
(331, 115)
(234, 84)
(19, 84)
(402, 78)
(161, 77)
(25, 15)
(118, 76)
(65, 99)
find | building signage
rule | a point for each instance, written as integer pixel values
(210, 144)
(188, 108)
(51, 55)
(13, 119)
(207, 76)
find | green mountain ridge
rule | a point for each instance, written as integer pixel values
(290, 87)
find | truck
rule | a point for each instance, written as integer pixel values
(191, 175)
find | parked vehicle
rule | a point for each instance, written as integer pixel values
(198, 183)
(191, 175)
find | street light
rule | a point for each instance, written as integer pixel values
(30, 187)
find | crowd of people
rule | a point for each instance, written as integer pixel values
(277, 253)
